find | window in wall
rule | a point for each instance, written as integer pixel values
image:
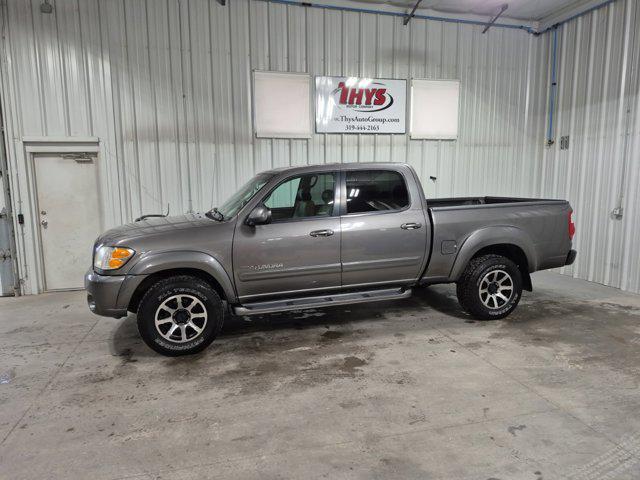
(375, 190)
(434, 109)
(282, 104)
(309, 195)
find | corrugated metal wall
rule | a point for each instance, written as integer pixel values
(166, 85)
(598, 105)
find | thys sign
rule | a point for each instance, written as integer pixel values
(360, 105)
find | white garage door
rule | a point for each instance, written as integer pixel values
(69, 217)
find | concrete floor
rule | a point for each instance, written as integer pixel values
(409, 389)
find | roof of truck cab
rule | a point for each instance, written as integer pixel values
(336, 166)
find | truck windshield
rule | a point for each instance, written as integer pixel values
(243, 196)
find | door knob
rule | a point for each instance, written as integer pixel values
(321, 233)
(410, 226)
(44, 223)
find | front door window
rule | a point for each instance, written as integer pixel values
(310, 195)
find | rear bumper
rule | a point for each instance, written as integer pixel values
(571, 257)
(109, 295)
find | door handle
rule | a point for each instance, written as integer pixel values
(321, 233)
(44, 223)
(410, 226)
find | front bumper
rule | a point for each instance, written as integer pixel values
(109, 295)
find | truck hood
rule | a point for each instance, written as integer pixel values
(152, 226)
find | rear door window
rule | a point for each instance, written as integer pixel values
(375, 191)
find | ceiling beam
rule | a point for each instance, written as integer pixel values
(493, 20)
(413, 12)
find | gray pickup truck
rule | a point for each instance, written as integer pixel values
(317, 236)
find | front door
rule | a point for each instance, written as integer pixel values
(384, 230)
(68, 216)
(299, 251)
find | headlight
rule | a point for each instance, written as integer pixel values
(111, 258)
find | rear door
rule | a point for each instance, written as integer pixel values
(300, 250)
(384, 229)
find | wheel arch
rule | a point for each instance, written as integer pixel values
(510, 242)
(198, 264)
(513, 253)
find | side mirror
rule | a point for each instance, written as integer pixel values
(259, 216)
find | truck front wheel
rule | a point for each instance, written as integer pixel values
(490, 287)
(180, 315)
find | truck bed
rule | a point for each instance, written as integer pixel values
(470, 201)
(542, 223)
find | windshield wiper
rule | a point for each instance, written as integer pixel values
(215, 214)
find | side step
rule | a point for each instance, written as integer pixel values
(258, 308)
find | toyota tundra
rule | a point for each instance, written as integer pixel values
(318, 236)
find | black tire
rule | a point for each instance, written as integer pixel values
(477, 275)
(191, 292)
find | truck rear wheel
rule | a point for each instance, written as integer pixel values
(490, 287)
(180, 315)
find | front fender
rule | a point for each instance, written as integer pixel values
(160, 261)
(489, 236)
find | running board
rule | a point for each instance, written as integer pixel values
(258, 308)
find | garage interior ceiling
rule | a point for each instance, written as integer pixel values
(526, 10)
(536, 15)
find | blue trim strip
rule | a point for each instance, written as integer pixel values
(552, 93)
(398, 14)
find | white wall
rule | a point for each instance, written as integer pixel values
(165, 86)
(598, 104)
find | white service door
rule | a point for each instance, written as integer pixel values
(69, 217)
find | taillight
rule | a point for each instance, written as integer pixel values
(572, 226)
